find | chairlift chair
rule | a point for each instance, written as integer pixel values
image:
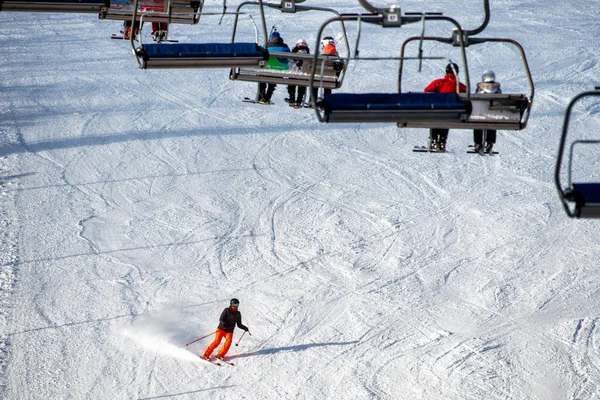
(282, 73)
(440, 109)
(196, 55)
(165, 11)
(66, 6)
(498, 111)
(580, 200)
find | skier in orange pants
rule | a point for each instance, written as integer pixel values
(230, 317)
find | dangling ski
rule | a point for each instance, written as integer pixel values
(471, 150)
(249, 100)
(425, 149)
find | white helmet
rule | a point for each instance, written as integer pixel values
(488, 76)
(301, 42)
(327, 40)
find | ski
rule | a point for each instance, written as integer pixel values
(211, 361)
(471, 150)
(121, 37)
(226, 362)
(249, 100)
(425, 149)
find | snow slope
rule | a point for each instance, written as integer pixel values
(135, 204)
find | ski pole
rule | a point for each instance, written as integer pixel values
(201, 338)
(240, 339)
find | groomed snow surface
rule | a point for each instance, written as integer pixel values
(135, 204)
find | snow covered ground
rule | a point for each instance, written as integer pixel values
(135, 204)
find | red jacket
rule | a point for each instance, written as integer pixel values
(447, 84)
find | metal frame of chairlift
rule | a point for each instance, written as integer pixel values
(66, 6)
(580, 200)
(197, 55)
(489, 111)
(400, 108)
(174, 12)
(331, 79)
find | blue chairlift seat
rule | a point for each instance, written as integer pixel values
(394, 107)
(586, 197)
(201, 55)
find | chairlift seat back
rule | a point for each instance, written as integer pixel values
(308, 66)
(401, 108)
(68, 6)
(201, 55)
(395, 101)
(167, 11)
(183, 50)
(290, 76)
(504, 109)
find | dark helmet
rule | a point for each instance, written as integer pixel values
(234, 303)
(452, 68)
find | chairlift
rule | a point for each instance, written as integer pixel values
(282, 72)
(66, 6)
(197, 55)
(164, 11)
(502, 111)
(580, 200)
(468, 111)
(401, 108)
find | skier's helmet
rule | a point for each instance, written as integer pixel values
(234, 303)
(488, 76)
(301, 42)
(327, 40)
(452, 68)
(274, 35)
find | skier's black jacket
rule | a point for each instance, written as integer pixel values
(229, 318)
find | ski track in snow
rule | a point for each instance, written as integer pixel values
(136, 203)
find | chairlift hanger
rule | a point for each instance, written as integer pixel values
(400, 108)
(280, 74)
(580, 200)
(197, 55)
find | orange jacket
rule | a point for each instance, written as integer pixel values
(447, 84)
(330, 49)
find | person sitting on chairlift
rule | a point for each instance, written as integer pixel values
(488, 84)
(328, 49)
(266, 90)
(447, 84)
(160, 31)
(296, 102)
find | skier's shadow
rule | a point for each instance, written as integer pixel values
(300, 347)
